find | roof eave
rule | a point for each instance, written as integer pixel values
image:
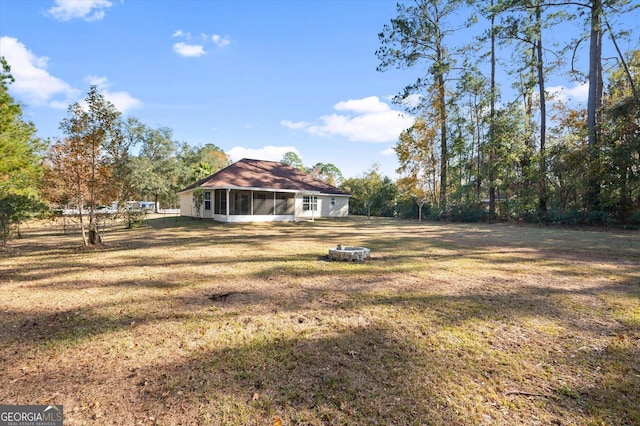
(247, 188)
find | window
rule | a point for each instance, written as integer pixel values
(309, 203)
(333, 201)
(207, 200)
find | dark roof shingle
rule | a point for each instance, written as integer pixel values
(248, 173)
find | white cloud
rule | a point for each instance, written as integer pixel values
(196, 50)
(388, 151)
(33, 83)
(123, 101)
(89, 10)
(220, 41)
(188, 50)
(364, 120)
(99, 82)
(578, 93)
(269, 153)
(180, 33)
(370, 105)
(295, 125)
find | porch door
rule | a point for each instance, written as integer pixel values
(241, 202)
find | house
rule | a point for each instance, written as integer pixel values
(263, 191)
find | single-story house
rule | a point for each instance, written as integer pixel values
(263, 191)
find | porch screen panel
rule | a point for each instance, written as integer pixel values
(220, 201)
(240, 202)
(284, 203)
(263, 203)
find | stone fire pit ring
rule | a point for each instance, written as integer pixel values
(352, 254)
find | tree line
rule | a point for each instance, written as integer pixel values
(475, 151)
(479, 152)
(101, 161)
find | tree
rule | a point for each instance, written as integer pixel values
(524, 23)
(328, 173)
(118, 155)
(195, 163)
(214, 156)
(371, 194)
(506, 147)
(620, 131)
(155, 171)
(15, 208)
(200, 171)
(418, 163)
(294, 160)
(385, 197)
(471, 114)
(411, 199)
(597, 21)
(198, 200)
(594, 102)
(420, 33)
(20, 160)
(489, 11)
(568, 158)
(79, 167)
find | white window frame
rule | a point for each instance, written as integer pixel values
(207, 200)
(309, 203)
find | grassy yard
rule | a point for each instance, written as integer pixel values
(195, 322)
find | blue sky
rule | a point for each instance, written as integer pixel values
(257, 78)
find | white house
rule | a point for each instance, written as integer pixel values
(263, 191)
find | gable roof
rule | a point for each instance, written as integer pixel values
(255, 174)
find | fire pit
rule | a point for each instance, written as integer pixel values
(349, 253)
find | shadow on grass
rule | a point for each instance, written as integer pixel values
(371, 373)
(361, 376)
(404, 360)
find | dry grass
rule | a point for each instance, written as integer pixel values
(194, 322)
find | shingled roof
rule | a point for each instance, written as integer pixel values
(260, 174)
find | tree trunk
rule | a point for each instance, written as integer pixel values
(85, 242)
(94, 234)
(4, 233)
(542, 200)
(594, 102)
(79, 206)
(442, 107)
(492, 116)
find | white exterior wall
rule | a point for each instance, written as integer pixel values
(187, 207)
(186, 204)
(325, 209)
(256, 218)
(340, 209)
